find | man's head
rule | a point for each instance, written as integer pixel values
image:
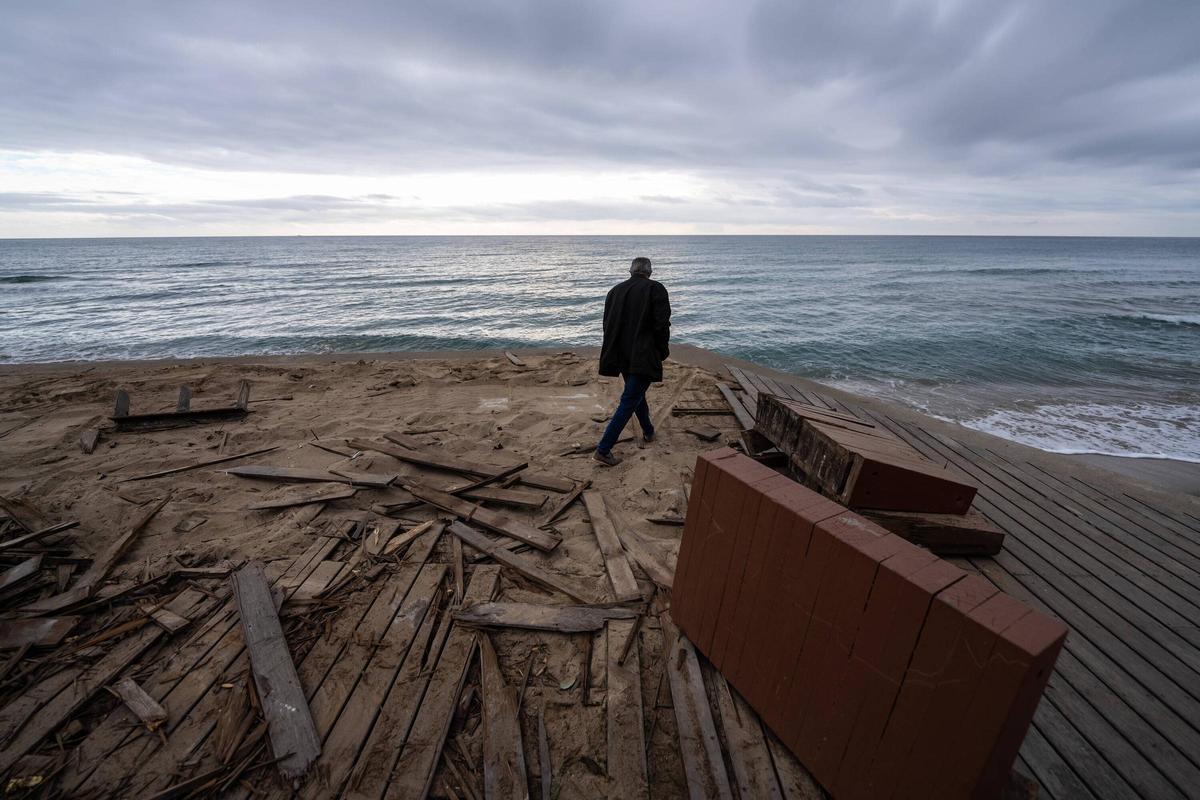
(641, 266)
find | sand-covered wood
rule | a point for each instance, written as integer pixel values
(541, 617)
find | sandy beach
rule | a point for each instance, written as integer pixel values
(476, 406)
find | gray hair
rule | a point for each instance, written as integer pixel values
(641, 266)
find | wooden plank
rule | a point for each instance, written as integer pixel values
(620, 576)
(166, 619)
(508, 497)
(39, 632)
(197, 465)
(290, 474)
(184, 403)
(34, 536)
(449, 463)
(57, 705)
(143, 706)
(414, 769)
(459, 575)
(795, 782)
(303, 495)
(699, 745)
(516, 362)
(747, 746)
(171, 419)
(503, 753)
(521, 564)
(316, 583)
(243, 395)
(283, 702)
(88, 440)
(378, 535)
(705, 433)
(121, 409)
(744, 417)
(101, 564)
(492, 520)
(565, 503)
(547, 769)
(538, 617)
(656, 565)
(375, 480)
(400, 540)
(21, 572)
(627, 770)
(970, 534)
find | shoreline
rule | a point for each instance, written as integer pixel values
(1169, 477)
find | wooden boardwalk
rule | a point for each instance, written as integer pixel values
(1121, 715)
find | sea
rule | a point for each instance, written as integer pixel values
(1072, 345)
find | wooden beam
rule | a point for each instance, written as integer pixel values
(699, 745)
(503, 753)
(521, 564)
(283, 702)
(624, 585)
(492, 520)
(627, 772)
(539, 617)
(206, 463)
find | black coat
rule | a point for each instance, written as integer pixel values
(637, 327)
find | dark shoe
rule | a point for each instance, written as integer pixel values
(648, 438)
(607, 459)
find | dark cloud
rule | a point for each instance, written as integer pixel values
(837, 102)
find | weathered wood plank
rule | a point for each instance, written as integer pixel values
(699, 745)
(655, 564)
(374, 480)
(705, 433)
(401, 539)
(208, 462)
(143, 706)
(88, 440)
(744, 417)
(303, 495)
(620, 576)
(747, 747)
(487, 518)
(547, 769)
(33, 536)
(509, 497)
(522, 565)
(969, 534)
(415, 767)
(503, 752)
(627, 771)
(449, 463)
(538, 617)
(21, 572)
(565, 503)
(36, 632)
(516, 362)
(283, 702)
(290, 474)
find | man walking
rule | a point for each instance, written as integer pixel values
(637, 327)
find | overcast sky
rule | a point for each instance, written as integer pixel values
(469, 116)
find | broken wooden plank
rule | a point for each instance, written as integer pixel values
(540, 617)
(21, 572)
(509, 497)
(320, 579)
(171, 419)
(452, 464)
(198, 465)
(379, 534)
(400, 540)
(704, 432)
(283, 702)
(698, 411)
(414, 769)
(745, 742)
(516, 362)
(290, 474)
(36, 632)
(667, 520)
(503, 753)
(184, 403)
(459, 579)
(34, 536)
(745, 417)
(571, 497)
(88, 440)
(143, 706)
(492, 520)
(101, 564)
(970, 534)
(303, 495)
(521, 564)
(620, 576)
(544, 757)
(627, 772)
(374, 480)
(699, 745)
(655, 564)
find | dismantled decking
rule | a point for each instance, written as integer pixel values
(1121, 715)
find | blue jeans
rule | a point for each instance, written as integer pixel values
(633, 401)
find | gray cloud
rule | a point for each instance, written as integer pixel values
(834, 104)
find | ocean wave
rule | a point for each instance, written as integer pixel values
(1132, 430)
(31, 278)
(1186, 320)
